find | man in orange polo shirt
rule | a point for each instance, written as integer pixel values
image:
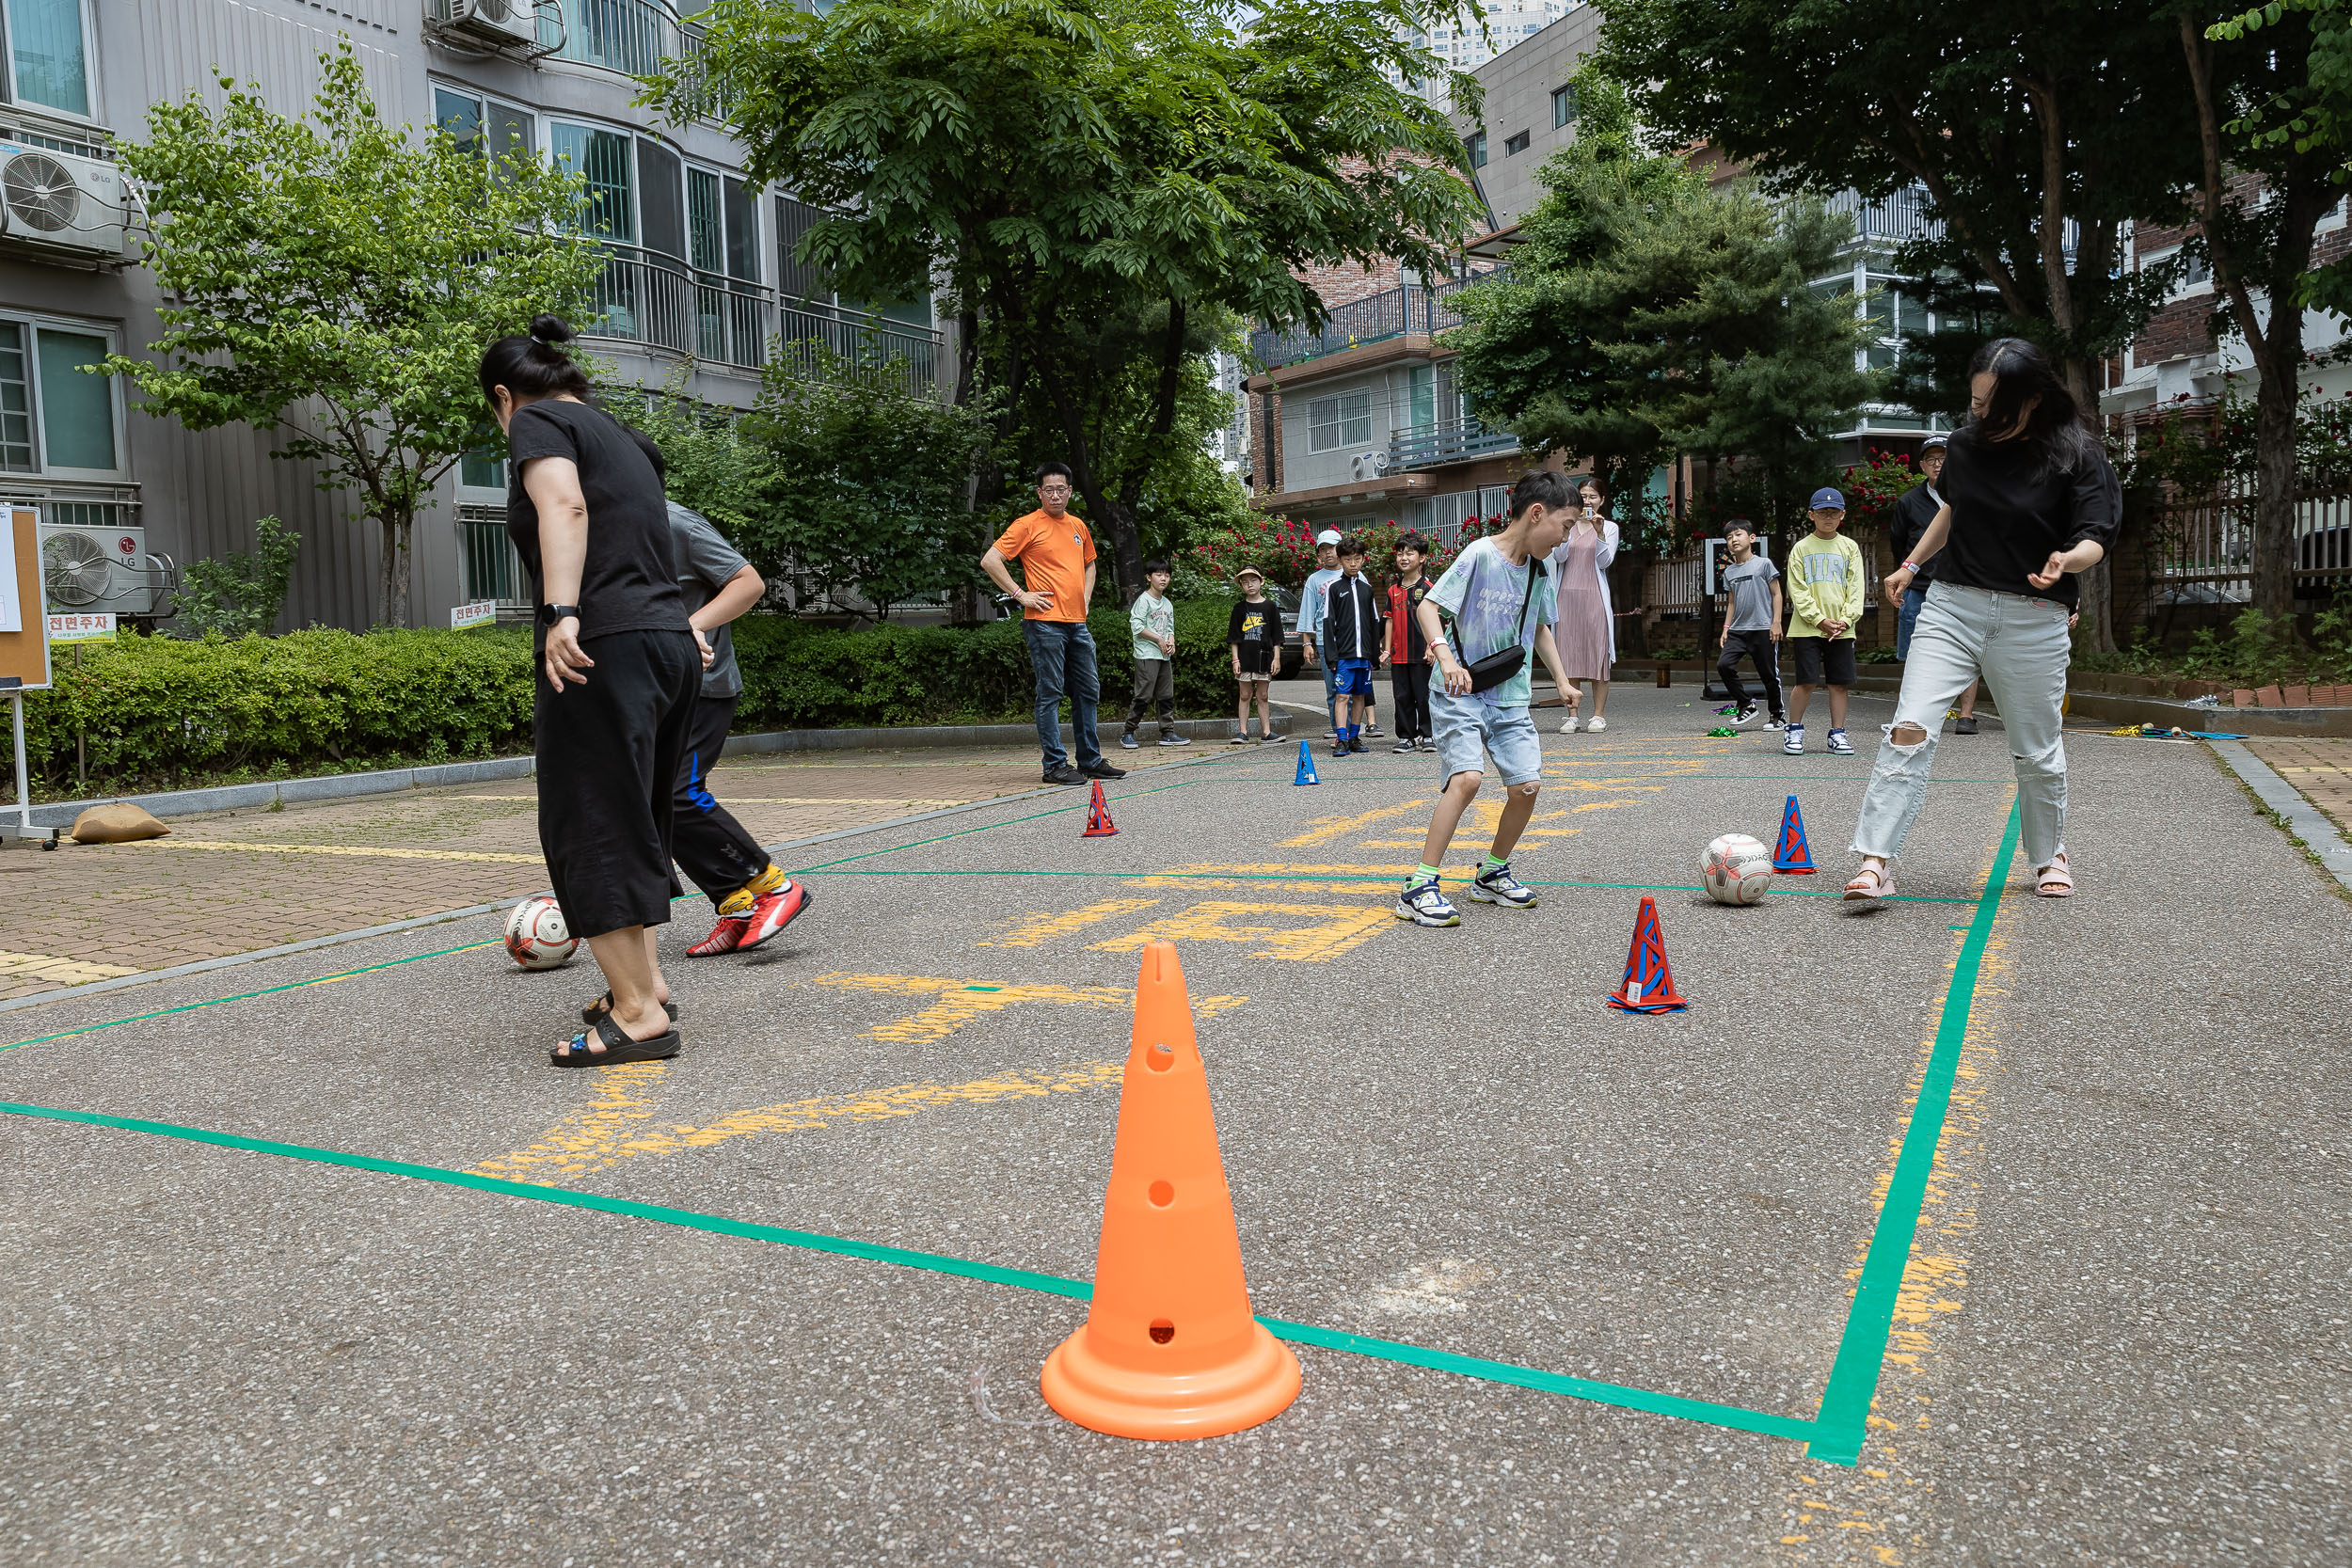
(1056, 556)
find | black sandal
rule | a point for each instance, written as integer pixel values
(602, 1007)
(618, 1047)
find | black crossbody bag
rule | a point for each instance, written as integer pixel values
(1501, 666)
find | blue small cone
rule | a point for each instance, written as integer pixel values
(1306, 766)
(1790, 858)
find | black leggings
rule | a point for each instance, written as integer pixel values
(609, 752)
(712, 846)
(1411, 681)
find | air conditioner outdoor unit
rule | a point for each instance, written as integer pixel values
(62, 200)
(491, 20)
(98, 569)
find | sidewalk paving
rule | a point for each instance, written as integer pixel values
(2321, 769)
(230, 882)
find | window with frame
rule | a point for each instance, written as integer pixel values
(1514, 146)
(1344, 420)
(1475, 145)
(1562, 107)
(55, 416)
(608, 209)
(483, 125)
(48, 50)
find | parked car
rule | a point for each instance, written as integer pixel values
(2324, 548)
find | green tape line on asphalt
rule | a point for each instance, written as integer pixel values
(1078, 1290)
(249, 995)
(1854, 1377)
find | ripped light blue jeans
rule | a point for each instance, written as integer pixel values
(2020, 648)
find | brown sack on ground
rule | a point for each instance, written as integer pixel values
(118, 823)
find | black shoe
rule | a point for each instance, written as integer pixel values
(1356, 743)
(1065, 774)
(1101, 771)
(1965, 724)
(1339, 748)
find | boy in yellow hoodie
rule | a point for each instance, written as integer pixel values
(1825, 598)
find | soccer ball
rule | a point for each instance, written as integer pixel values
(536, 936)
(1736, 869)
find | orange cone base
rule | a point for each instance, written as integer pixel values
(1255, 1386)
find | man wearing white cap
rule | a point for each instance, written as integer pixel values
(1310, 598)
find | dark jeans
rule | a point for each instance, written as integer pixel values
(712, 847)
(1411, 681)
(1907, 617)
(1760, 646)
(1061, 654)
(1155, 683)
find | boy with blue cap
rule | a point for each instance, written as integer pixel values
(1825, 598)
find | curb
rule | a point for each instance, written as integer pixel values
(391, 781)
(2303, 818)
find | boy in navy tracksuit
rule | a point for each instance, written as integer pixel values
(1351, 640)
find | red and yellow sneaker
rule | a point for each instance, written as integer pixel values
(772, 913)
(726, 937)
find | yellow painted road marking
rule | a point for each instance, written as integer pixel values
(1333, 930)
(611, 1129)
(1345, 878)
(961, 1001)
(1329, 828)
(361, 850)
(62, 971)
(1039, 929)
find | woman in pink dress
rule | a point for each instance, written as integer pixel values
(1586, 632)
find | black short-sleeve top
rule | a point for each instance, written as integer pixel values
(628, 581)
(2011, 509)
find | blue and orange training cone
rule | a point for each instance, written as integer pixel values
(1306, 766)
(1098, 816)
(1789, 856)
(1649, 986)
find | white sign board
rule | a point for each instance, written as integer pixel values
(1719, 549)
(99, 627)
(481, 612)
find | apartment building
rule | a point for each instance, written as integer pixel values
(698, 272)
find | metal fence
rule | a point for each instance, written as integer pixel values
(2203, 550)
(1416, 309)
(488, 566)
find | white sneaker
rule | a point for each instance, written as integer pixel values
(1596, 723)
(1794, 745)
(1568, 726)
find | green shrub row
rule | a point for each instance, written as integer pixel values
(154, 712)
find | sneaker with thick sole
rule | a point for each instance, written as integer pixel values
(1171, 739)
(772, 911)
(1404, 746)
(1748, 713)
(1356, 743)
(1129, 742)
(726, 937)
(1065, 774)
(1775, 724)
(1496, 885)
(1104, 770)
(1425, 904)
(1795, 743)
(1839, 745)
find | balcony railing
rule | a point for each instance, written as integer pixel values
(1901, 217)
(632, 36)
(1414, 310)
(645, 297)
(1427, 445)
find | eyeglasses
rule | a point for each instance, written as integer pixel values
(1053, 489)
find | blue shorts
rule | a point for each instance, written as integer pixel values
(1468, 730)
(1351, 675)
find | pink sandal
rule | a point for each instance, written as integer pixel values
(2054, 880)
(1869, 886)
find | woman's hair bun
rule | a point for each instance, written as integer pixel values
(550, 329)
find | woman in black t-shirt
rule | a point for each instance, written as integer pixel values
(2030, 501)
(622, 669)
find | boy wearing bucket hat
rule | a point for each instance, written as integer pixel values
(1825, 598)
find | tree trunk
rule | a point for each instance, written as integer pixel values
(391, 594)
(963, 605)
(2275, 482)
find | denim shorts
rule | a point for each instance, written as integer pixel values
(1351, 675)
(1468, 730)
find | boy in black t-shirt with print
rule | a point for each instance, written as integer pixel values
(1255, 636)
(1409, 648)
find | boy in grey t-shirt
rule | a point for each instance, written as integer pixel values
(1751, 624)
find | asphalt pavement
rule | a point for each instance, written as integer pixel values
(2116, 1333)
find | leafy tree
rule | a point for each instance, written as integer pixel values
(333, 278)
(1060, 164)
(1646, 314)
(237, 593)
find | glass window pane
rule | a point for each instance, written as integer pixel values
(460, 116)
(16, 401)
(742, 215)
(1354, 419)
(601, 157)
(793, 280)
(661, 197)
(78, 409)
(483, 468)
(1421, 392)
(705, 241)
(509, 130)
(1323, 424)
(45, 39)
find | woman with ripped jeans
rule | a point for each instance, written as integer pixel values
(2029, 501)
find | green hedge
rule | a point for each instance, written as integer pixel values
(158, 711)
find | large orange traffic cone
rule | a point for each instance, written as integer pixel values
(1169, 1348)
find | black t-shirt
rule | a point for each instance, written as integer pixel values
(2007, 519)
(628, 581)
(1255, 630)
(1913, 513)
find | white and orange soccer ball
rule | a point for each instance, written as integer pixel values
(536, 936)
(1736, 869)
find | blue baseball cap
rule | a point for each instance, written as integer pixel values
(1826, 499)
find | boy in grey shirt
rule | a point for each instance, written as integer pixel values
(1751, 624)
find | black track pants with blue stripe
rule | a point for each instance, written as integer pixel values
(712, 847)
